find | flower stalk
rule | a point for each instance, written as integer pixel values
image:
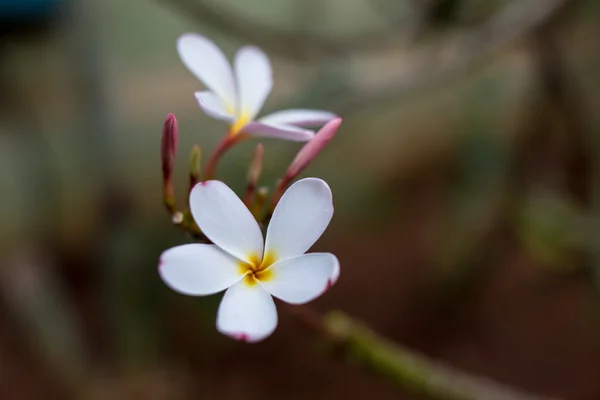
(226, 143)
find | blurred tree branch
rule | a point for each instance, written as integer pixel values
(467, 50)
(294, 45)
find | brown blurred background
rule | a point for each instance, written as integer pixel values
(466, 178)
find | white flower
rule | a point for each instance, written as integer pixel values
(252, 270)
(238, 99)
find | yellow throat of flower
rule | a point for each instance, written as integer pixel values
(239, 123)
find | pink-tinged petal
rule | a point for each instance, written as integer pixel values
(213, 106)
(208, 63)
(335, 274)
(226, 221)
(301, 279)
(247, 312)
(298, 117)
(312, 148)
(198, 269)
(287, 132)
(254, 80)
(299, 219)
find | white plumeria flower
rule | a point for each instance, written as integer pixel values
(238, 98)
(253, 270)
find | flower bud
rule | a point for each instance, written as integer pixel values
(259, 204)
(170, 136)
(195, 157)
(168, 150)
(255, 165)
(253, 174)
(312, 149)
(305, 156)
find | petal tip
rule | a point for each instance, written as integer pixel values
(240, 336)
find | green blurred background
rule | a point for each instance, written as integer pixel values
(466, 179)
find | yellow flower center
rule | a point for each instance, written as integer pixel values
(239, 123)
(256, 269)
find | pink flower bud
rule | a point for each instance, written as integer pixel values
(305, 156)
(255, 165)
(195, 157)
(253, 174)
(170, 135)
(312, 149)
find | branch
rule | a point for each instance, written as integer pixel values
(458, 55)
(293, 45)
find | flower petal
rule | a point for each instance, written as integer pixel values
(288, 132)
(247, 312)
(298, 117)
(208, 63)
(198, 269)
(226, 221)
(254, 80)
(213, 106)
(301, 279)
(299, 219)
(335, 274)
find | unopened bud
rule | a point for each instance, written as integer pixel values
(312, 149)
(259, 203)
(195, 157)
(170, 136)
(253, 174)
(305, 156)
(168, 150)
(256, 165)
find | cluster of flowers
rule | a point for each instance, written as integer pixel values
(234, 257)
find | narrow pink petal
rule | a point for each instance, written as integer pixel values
(298, 117)
(312, 148)
(286, 132)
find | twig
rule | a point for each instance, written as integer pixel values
(294, 45)
(468, 50)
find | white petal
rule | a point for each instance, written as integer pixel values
(298, 117)
(254, 80)
(208, 63)
(299, 219)
(288, 132)
(335, 274)
(198, 269)
(213, 106)
(247, 312)
(225, 220)
(301, 279)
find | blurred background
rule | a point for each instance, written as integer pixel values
(466, 178)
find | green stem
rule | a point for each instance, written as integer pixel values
(412, 371)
